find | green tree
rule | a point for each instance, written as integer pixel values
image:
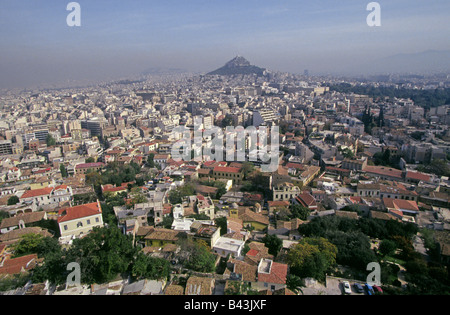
(221, 189)
(201, 259)
(387, 247)
(417, 135)
(299, 211)
(353, 248)
(151, 160)
(28, 244)
(227, 121)
(176, 196)
(247, 169)
(137, 196)
(167, 221)
(93, 179)
(150, 267)
(13, 200)
(438, 167)
(312, 257)
(347, 153)
(3, 215)
(235, 288)
(36, 244)
(50, 141)
(273, 243)
(102, 254)
(245, 249)
(222, 223)
(295, 283)
(63, 170)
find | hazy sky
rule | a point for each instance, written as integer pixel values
(118, 38)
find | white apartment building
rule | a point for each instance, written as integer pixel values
(48, 195)
(263, 116)
(79, 220)
(285, 191)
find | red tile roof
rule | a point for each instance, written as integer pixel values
(279, 203)
(383, 171)
(295, 165)
(227, 169)
(90, 165)
(114, 189)
(250, 216)
(400, 204)
(253, 252)
(396, 212)
(37, 192)
(63, 187)
(78, 212)
(306, 200)
(278, 274)
(16, 265)
(418, 176)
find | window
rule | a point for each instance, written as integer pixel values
(97, 220)
(88, 222)
(79, 224)
(65, 227)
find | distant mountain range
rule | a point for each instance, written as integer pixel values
(426, 62)
(238, 65)
(163, 71)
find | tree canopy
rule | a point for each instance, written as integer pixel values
(102, 255)
(273, 243)
(13, 200)
(425, 98)
(201, 258)
(312, 257)
(352, 236)
(176, 196)
(150, 267)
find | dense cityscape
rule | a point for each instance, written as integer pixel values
(94, 202)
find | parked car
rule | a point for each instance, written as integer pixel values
(358, 288)
(369, 289)
(347, 288)
(378, 289)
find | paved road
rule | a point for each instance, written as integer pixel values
(333, 287)
(419, 246)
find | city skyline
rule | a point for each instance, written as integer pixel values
(117, 39)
